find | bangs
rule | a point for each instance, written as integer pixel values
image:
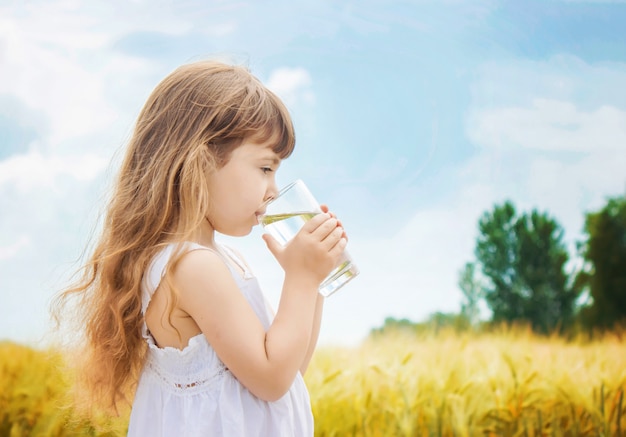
(233, 106)
(281, 140)
(272, 123)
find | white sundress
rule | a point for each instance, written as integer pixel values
(189, 392)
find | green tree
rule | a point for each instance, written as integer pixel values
(392, 324)
(523, 257)
(604, 275)
(472, 291)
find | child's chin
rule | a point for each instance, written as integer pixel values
(238, 232)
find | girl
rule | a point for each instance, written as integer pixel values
(172, 315)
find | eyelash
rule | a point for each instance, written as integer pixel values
(266, 170)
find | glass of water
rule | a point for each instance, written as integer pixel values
(287, 213)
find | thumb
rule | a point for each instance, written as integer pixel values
(273, 245)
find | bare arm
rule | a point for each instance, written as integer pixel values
(315, 332)
(264, 362)
(319, 307)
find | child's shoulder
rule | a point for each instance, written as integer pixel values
(195, 259)
(200, 269)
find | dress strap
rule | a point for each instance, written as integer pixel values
(232, 255)
(154, 274)
(158, 266)
(228, 255)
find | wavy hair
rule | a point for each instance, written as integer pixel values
(188, 127)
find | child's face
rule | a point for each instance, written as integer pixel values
(238, 189)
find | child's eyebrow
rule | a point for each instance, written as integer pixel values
(273, 159)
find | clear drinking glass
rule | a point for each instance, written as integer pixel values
(284, 217)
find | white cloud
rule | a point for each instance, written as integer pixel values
(565, 78)
(221, 29)
(292, 85)
(550, 125)
(39, 68)
(34, 170)
(10, 250)
(553, 152)
(550, 135)
(57, 59)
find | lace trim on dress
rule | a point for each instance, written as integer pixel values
(192, 383)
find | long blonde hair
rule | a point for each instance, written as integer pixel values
(188, 127)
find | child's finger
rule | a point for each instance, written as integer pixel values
(325, 229)
(332, 238)
(315, 222)
(333, 215)
(325, 208)
(273, 245)
(339, 247)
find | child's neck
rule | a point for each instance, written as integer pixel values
(205, 235)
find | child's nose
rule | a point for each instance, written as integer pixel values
(272, 191)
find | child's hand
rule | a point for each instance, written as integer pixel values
(314, 252)
(325, 209)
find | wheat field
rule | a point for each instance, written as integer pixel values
(504, 383)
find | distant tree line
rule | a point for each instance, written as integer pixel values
(520, 273)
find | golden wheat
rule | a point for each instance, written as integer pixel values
(35, 399)
(505, 383)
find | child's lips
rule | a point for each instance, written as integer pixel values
(258, 215)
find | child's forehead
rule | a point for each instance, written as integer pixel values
(264, 141)
(261, 150)
(266, 136)
(279, 140)
(267, 153)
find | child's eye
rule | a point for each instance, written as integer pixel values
(266, 170)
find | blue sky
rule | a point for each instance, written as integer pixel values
(412, 118)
